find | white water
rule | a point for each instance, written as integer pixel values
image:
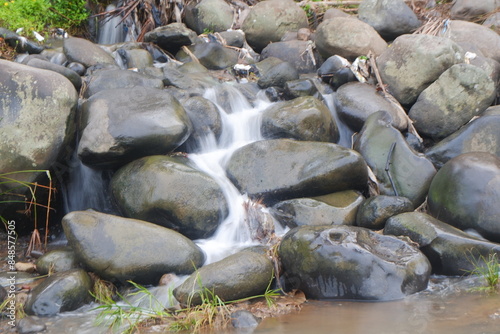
(111, 30)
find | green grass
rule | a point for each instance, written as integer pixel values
(489, 270)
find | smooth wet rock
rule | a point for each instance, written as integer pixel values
(121, 249)
(480, 135)
(57, 260)
(460, 93)
(450, 250)
(114, 79)
(348, 37)
(31, 324)
(20, 43)
(191, 81)
(208, 15)
(278, 75)
(374, 211)
(60, 292)
(237, 276)
(171, 37)
(244, 319)
(390, 18)
(85, 52)
(137, 58)
(336, 71)
(349, 262)
(413, 62)
(205, 117)
(168, 191)
(213, 56)
(269, 20)
(470, 9)
(301, 54)
(465, 193)
(300, 88)
(121, 125)
(282, 169)
(303, 118)
(334, 209)
(355, 101)
(410, 171)
(71, 75)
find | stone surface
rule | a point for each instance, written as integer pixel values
(374, 211)
(282, 169)
(300, 54)
(171, 37)
(57, 260)
(278, 75)
(349, 262)
(85, 52)
(470, 9)
(213, 56)
(465, 193)
(167, 191)
(120, 249)
(208, 15)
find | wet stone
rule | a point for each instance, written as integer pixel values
(374, 211)
(30, 324)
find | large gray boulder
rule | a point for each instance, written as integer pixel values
(85, 52)
(121, 249)
(390, 18)
(460, 93)
(282, 169)
(410, 171)
(470, 9)
(348, 37)
(208, 16)
(480, 135)
(450, 250)
(121, 125)
(374, 211)
(303, 118)
(71, 75)
(237, 276)
(167, 191)
(413, 62)
(57, 260)
(465, 193)
(349, 262)
(60, 292)
(356, 101)
(269, 20)
(213, 56)
(171, 37)
(278, 75)
(301, 54)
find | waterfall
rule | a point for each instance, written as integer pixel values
(111, 30)
(240, 127)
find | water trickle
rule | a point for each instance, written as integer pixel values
(111, 29)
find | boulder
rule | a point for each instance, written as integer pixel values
(465, 193)
(460, 93)
(212, 55)
(304, 118)
(193, 82)
(171, 37)
(208, 16)
(278, 75)
(120, 249)
(301, 88)
(136, 58)
(413, 62)
(20, 43)
(57, 260)
(334, 209)
(60, 292)
(450, 250)
(348, 37)
(390, 157)
(336, 71)
(390, 18)
(71, 75)
(300, 54)
(121, 125)
(115, 78)
(167, 191)
(355, 101)
(469, 9)
(349, 262)
(281, 169)
(480, 135)
(269, 20)
(241, 275)
(374, 211)
(85, 52)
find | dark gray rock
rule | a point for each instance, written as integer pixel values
(233, 37)
(349, 262)
(57, 260)
(480, 135)
(208, 15)
(413, 62)
(469, 9)
(3, 294)
(237, 276)
(303, 118)
(278, 75)
(120, 249)
(20, 43)
(348, 37)
(269, 20)
(167, 191)
(71, 75)
(374, 211)
(300, 54)
(300, 88)
(77, 67)
(189, 77)
(410, 171)
(460, 93)
(213, 56)
(336, 72)
(205, 118)
(115, 78)
(465, 193)
(450, 250)
(355, 101)
(171, 37)
(390, 18)
(60, 292)
(137, 58)
(282, 169)
(244, 319)
(31, 324)
(334, 209)
(85, 52)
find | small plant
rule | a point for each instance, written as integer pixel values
(489, 269)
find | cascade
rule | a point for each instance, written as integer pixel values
(111, 30)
